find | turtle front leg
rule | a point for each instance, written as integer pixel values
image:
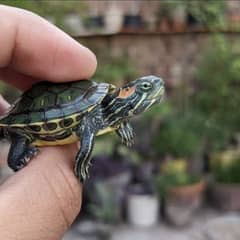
(82, 163)
(20, 152)
(125, 132)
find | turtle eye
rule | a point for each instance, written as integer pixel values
(146, 86)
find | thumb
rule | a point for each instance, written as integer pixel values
(42, 200)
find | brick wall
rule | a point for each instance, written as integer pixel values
(175, 57)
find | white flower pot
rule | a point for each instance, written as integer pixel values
(143, 210)
(73, 24)
(113, 19)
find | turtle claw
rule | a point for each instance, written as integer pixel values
(129, 144)
(125, 131)
(82, 178)
(129, 140)
(83, 174)
(28, 155)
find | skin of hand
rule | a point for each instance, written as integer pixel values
(42, 200)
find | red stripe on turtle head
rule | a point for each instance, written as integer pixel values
(126, 92)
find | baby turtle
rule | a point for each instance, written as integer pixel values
(62, 113)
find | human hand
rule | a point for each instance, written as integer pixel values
(41, 200)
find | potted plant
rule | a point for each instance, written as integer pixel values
(164, 17)
(178, 141)
(202, 14)
(182, 192)
(171, 16)
(217, 100)
(105, 209)
(225, 167)
(181, 135)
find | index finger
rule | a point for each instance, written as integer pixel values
(32, 47)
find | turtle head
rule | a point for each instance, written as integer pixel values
(141, 94)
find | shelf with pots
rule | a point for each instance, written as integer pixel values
(188, 31)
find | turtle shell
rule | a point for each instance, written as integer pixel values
(46, 101)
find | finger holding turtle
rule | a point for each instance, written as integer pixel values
(33, 50)
(46, 194)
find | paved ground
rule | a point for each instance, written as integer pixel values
(208, 224)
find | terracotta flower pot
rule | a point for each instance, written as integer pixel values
(164, 25)
(182, 202)
(226, 196)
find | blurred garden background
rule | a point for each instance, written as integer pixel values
(181, 180)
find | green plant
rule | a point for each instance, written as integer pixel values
(225, 166)
(145, 135)
(210, 13)
(207, 12)
(166, 8)
(158, 112)
(180, 135)
(218, 99)
(54, 8)
(106, 209)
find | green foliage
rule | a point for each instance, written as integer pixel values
(225, 166)
(229, 174)
(180, 135)
(52, 8)
(158, 111)
(165, 182)
(165, 8)
(106, 209)
(219, 98)
(55, 9)
(116, 70)
(208, 12)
